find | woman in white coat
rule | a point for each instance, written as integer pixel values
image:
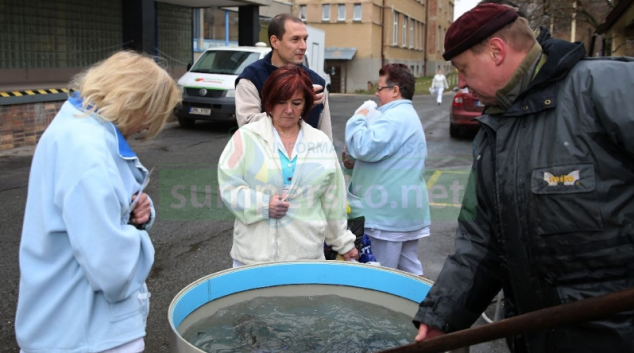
(282, 180)
(439, 84)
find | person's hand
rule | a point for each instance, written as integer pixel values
(363, 112)
(427, 332)
(141, 212)
(319, 96)
(277, 207)
(352, 254)
(346, 162)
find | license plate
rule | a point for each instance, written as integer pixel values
(200, 111)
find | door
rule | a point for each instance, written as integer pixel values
(335, 77)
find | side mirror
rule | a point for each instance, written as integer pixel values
(189, 66)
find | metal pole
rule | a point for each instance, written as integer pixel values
(226, 28)
(579, 311)
(201, 29)
(573, 25)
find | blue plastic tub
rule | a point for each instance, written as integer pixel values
(395, 290)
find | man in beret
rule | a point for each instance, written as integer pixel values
(548, 214)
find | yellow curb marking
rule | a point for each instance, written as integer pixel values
(445, 204)
(433, 179)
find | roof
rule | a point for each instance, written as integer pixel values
(340, 53)
(613, 16)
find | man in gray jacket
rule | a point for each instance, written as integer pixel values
(548, 214)
(287, 37)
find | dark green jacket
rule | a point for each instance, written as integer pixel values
(548, 214)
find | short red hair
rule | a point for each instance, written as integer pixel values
(283, 84)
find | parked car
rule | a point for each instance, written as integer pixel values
(209, 86)
(464, 109)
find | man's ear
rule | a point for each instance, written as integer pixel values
(497, 49)
(273, 41)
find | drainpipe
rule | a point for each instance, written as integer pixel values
(426, 39)
(383, 35)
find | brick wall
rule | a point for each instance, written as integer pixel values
(23, 124)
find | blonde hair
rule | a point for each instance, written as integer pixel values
(517, 34)
(128, 89)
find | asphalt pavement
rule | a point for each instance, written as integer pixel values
(194, 241)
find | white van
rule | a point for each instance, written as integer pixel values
(209, 86)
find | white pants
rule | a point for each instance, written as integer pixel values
(401, 255)
(136, 346)
(439, 92)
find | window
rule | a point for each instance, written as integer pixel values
(395, 29)
(411, 33)
(440, 4)
(404, 31)
(357, 12)
(325, 12)
(225, 62)
(302, 12)
(341, 12)
(438, 39)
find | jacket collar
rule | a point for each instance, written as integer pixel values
(123, 148)
(264, 129)
(393, 104)
(520, 80)
(541, 94)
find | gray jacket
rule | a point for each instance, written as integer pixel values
(548, 214)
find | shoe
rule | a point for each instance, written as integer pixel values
(438, 103)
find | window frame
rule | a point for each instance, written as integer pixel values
(438, 39)
(325, 12)
(303, 12)
(395, 29)
(411, 32)
(341, 7)
(354, 12)
(404, 31)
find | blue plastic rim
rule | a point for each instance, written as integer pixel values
(340, 273)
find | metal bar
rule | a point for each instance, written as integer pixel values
(579, 311)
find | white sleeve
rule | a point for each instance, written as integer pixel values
(325, 124)
(248, 103)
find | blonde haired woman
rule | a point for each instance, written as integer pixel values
(85, 252)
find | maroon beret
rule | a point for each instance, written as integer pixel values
(476, 25)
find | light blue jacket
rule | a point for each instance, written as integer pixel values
(387, 185)
(83, 268)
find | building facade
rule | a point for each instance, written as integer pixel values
(617, 32)
(362, 35)
(45, 43)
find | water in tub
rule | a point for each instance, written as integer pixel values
(326, 323)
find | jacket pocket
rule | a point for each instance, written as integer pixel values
(355, 202)
(565, 199)
(129, 307)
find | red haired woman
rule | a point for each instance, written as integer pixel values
(282, 180)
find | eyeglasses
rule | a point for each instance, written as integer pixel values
(379, 88)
